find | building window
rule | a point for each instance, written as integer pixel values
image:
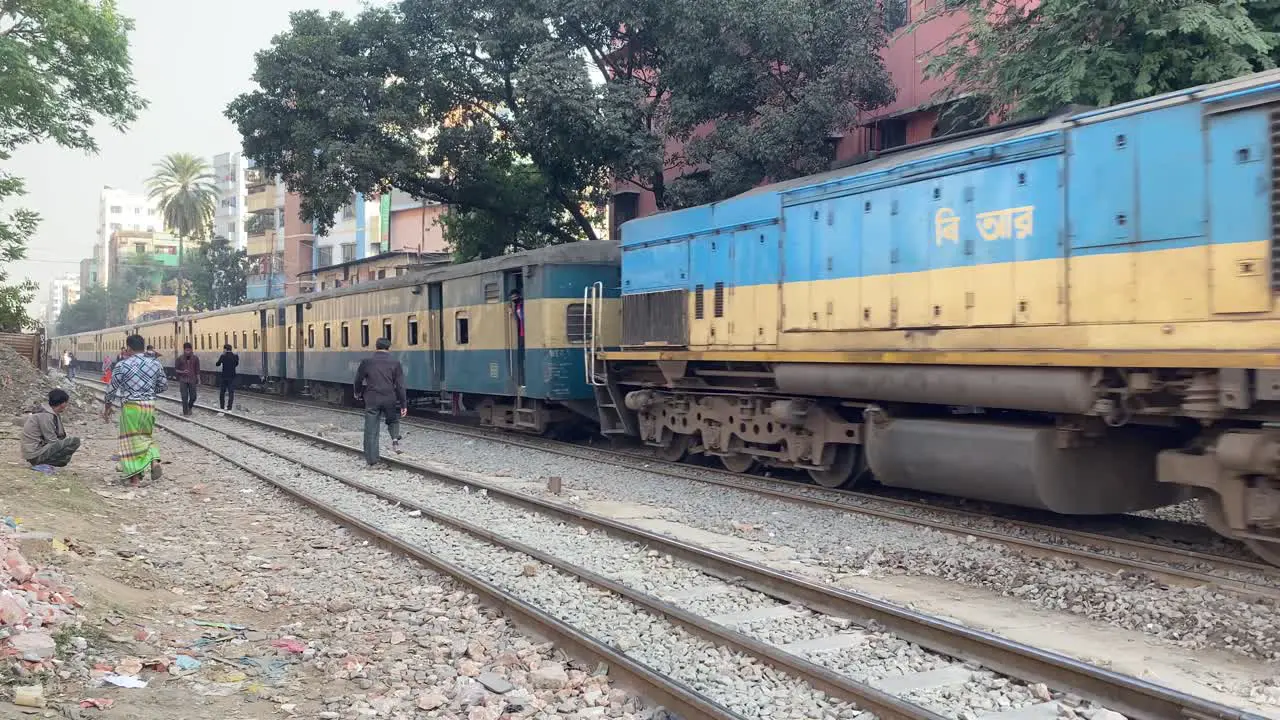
(348, 252)
(386, 329)
(117, 210)
(895, 14)
(375, 248)
(115, 226)
(137, 211)
(578, 322)
(413, 330)
(140, 248)
(626, 206)
(324, 285)
(382, 274)
(348, 212)
(325, 257)
(328, 335)
(364, 333)
(345, 335)
(462, 330)
(893, 133)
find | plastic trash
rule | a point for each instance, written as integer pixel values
(293, 646)
(45, 469)
(99, 703)
(124, 681)
(186, 662)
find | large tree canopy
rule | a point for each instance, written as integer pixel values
(519, 113)
(64, 65)
(1029, 59)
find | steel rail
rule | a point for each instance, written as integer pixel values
(1128, 695)
(1099, 561)
(864, 696)
(654, 686)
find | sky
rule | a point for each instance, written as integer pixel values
(189, 60)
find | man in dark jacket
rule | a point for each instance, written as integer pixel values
(44, 439)
(228, 361)
(380, 382)
(187, 368)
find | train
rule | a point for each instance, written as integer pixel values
(1075, 313)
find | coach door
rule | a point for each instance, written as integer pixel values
(435, 341)
(299, 344)
(516, 319)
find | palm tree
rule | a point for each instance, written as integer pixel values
(184, 190)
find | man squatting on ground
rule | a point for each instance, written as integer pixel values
(44, 439)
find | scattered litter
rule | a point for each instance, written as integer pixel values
(124, 681)
(129, 529)
(129, 666)
(219, 625)
(293, 646)
(99, 703)
(29, 696)
(186, 663)
(12, 522)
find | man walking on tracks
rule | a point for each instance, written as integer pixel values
(228, 361)
(380, 381)
(187, 367)
(136, 380)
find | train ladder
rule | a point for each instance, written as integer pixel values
(615, 419)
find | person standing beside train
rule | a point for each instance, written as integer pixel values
(380, 382)
(229, 362)
(187, 368)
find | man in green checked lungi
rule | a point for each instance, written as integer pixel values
(136, 381)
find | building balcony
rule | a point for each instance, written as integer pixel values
(263, 243)
(262, 199)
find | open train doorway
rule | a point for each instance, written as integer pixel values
(514, 292)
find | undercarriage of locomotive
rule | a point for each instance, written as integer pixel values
(1114, 451)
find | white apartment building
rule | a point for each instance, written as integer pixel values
(229, 218)
(64, 291)
(123, 210)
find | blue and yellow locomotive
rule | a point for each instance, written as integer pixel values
(1076, 313)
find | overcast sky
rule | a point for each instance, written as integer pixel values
(189, 59)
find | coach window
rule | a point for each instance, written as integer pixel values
(413, 330)
(386, 330)
(244, 339)
(255, 339)
(328, 335)
(235, 341)
(364, 333)
(462, 329)
(311, 336)
(345, 335)
(578, 322)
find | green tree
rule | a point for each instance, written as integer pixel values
(184, 190)
(64, 64)
(518, 113)
(219, 276)
(1020, 60)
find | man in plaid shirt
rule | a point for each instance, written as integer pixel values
(135, 381)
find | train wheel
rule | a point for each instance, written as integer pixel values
(1215, 518)
(842, 469)
(738, 463)
(675, 449)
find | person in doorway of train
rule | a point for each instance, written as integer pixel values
(187, 368)
(517, 309)
(44, 439)
(228, 361)
(136, 381)
(380, 382)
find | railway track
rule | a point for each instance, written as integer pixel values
(805, 642)
(1167, 561)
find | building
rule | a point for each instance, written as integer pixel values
(91, 270)
(120, 210)
(912, 117)
(355, 235)
(229, 218)
(412, 224)
(264, 228)
(299, 246)
(371, 269)
(63, 293)
(153, 255)
(155, 307)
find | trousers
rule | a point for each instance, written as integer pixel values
(57, 453)
(188, 397)
(227, 392)
(372, 416)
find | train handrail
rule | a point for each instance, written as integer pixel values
(591, 300)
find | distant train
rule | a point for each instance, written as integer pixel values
(1076, 313)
